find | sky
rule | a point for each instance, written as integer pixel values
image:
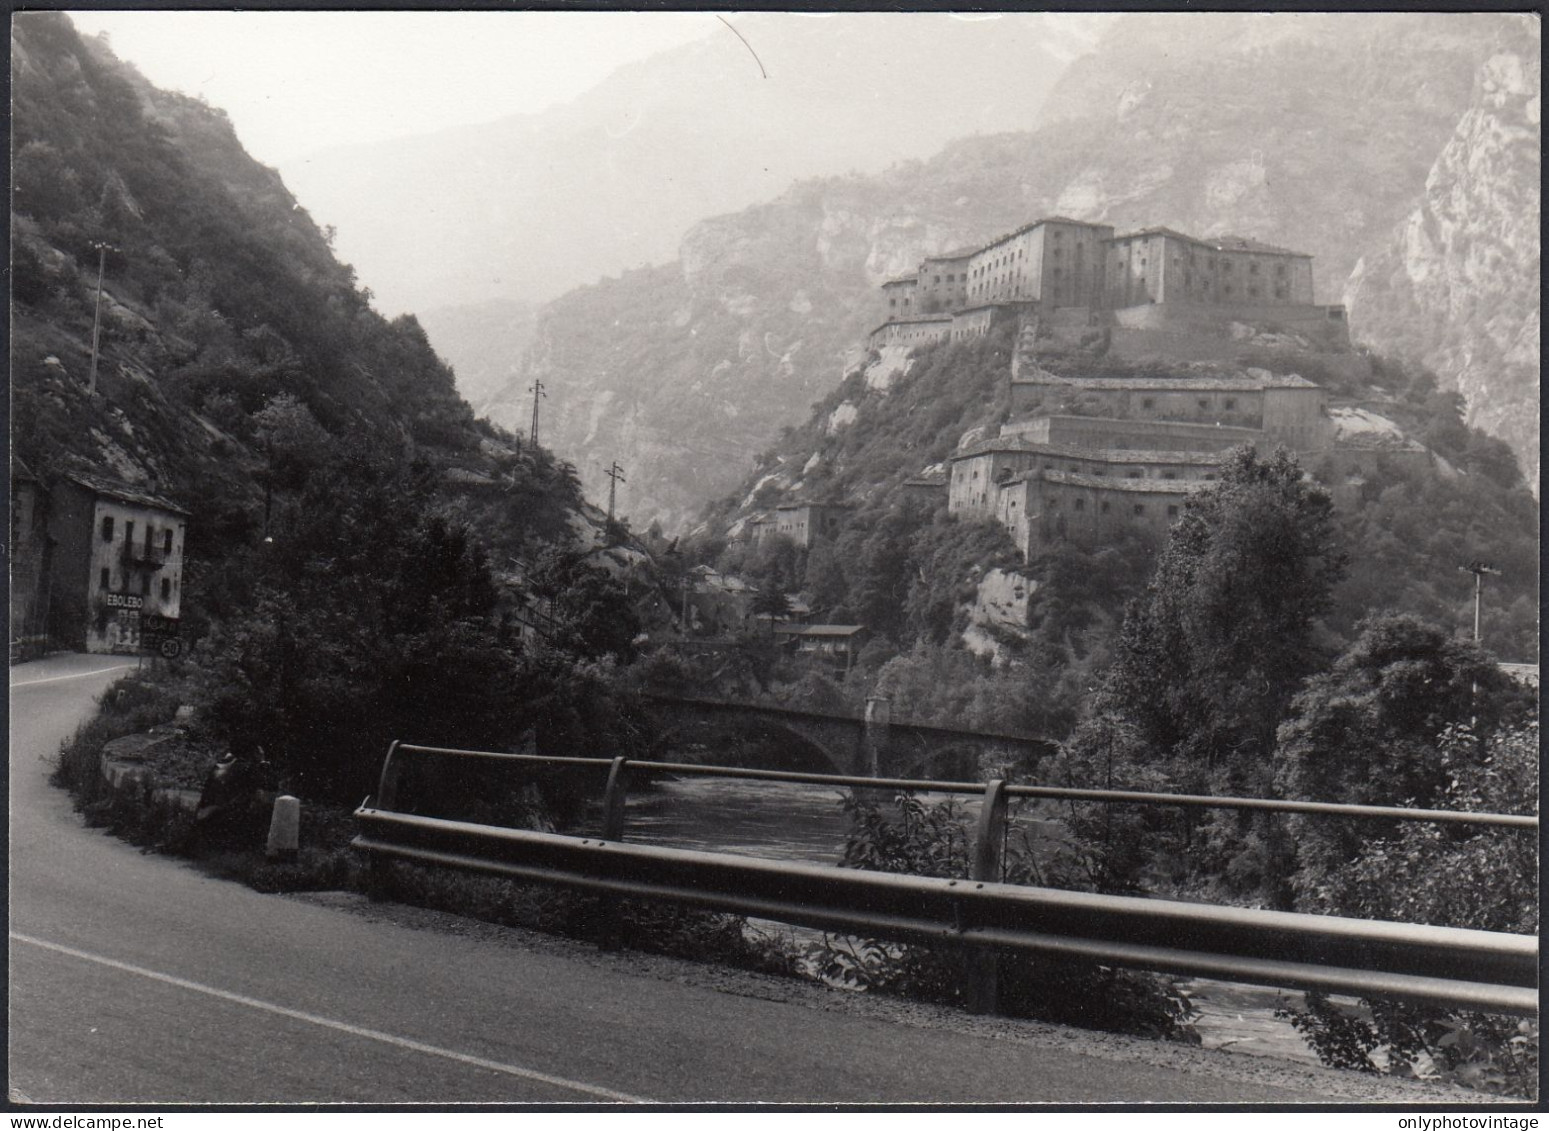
(296, 82)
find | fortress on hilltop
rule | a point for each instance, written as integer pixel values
(1081, 458)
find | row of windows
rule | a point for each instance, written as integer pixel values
(1105, 507)
(107, 534)
(1204, 402)
(105, 579)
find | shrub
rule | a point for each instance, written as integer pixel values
(932, 840)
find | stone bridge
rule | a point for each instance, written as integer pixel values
(872, 745)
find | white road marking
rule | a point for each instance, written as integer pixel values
(76, 675)
(340, 1026)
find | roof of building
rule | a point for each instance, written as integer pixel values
(1225, 382)
(1018, 443)
(805, 503)
(896, 279)
(830, 630)
(1011, 235)
(955, 253)
(124, 492)
(926, 481)
(1214, 243)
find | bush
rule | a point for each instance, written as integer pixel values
(933, 840)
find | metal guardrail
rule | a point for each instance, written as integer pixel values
(1449, 967)
(623, 766)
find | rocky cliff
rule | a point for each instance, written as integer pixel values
(1313, 131)
(1456, 285)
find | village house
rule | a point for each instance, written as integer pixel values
(31, 559)
(116, 566)
(837, 645)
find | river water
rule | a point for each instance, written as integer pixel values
(788, 821)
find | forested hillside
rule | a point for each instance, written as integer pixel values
(351, 525)
(917, 577)
(219, 295)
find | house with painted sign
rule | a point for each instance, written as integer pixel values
(116, 565)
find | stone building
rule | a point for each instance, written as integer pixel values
(1159, 265)
(31, 560)
(117, 566)
(942, 282)
(1085, 458)
(1054, 262)
(806, 523)
(1154, 288)
(900, 295)
(1284, 409)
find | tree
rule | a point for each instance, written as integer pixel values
(772, 601)
(1207, 662)
(1367, 732)
(1210, 656)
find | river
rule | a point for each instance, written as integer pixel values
(788, 821)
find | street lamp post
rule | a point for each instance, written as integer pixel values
(1478, 569)
(96, 323)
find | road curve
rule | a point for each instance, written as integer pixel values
(136, 979)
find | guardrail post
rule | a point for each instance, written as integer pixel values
(874, 734)
(387, 787)
(609, 927)
(982, 968)
(613, 800)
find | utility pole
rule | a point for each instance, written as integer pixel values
(96, 323)
(615, 476)
(1478, 569)
(536, 390)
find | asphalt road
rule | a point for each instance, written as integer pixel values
(136, 979)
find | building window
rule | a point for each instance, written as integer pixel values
(1140, 508)
(1210, 475)
(1280, 269)
(1104, 508)
(1231, 402)
(1253, 268)
(1169, 475)
(128, 535)
(1081, 504)
(1132, 475)
(1148, 402)
(937, 279)
(107, 528)
(1172, 511)
(1204, 403)
(103, 579)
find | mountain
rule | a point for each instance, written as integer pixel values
(1456, 285)
(483, 342)
(529, 206)
(231, 338)
(1313, 131)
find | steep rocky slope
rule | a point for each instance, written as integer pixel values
(1313, 131)
(222, 306)
(527, 207)
(1456, 286)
